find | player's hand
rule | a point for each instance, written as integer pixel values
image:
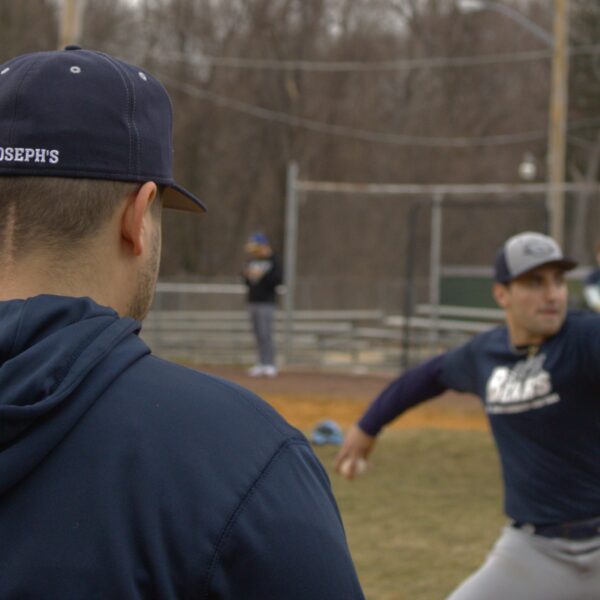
(351, 460)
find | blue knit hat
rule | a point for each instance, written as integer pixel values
(258, 238)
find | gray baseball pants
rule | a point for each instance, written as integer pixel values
(524, 566)
(261, 316)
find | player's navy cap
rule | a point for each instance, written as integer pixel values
(85, 114)
(527, 251)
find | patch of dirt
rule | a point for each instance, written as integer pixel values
(305, 397)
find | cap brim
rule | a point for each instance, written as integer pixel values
(178, 198)
(566, 264)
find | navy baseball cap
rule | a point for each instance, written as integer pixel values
(84, 114)
(527, 251)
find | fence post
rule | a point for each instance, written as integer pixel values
(435, 267)
(289, 273)
(409, 283)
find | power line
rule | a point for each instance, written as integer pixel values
(364, 134)
(350, 132)
(370, 66)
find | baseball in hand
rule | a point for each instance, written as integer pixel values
(359, 468)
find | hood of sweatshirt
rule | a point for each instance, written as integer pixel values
(57, 356)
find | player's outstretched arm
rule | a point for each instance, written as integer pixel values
(351, 459)
(414, 386)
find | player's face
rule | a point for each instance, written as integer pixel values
(535, 304)
(258, 250)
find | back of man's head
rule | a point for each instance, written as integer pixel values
(55, 214)
(84, 114)
(78, 131)
(81, 134)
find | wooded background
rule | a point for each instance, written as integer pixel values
(380, 91)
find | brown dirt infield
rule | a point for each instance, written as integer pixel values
(305, 397)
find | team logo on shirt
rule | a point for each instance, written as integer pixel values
(524, 386)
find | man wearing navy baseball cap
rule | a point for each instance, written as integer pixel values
(538, 378)
(122, 475)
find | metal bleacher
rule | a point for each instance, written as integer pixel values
(357, 339)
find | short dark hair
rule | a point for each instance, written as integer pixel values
(56, 212)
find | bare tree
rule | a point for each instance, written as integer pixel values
(584, 143)
(238, 124)
(27, 26)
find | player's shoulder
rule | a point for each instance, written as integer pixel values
(491, 339)
(475, 350)
(187, 394)
(581, 323)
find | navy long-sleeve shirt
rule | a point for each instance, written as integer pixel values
(543, 408)
(415, 386)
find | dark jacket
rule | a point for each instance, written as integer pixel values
(263, 289)
(123, 476)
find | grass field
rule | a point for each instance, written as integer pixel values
(424, 515)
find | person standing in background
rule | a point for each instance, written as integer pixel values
(262, 274)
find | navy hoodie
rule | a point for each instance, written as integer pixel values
(123, 476)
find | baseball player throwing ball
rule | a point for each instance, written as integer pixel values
(539, 380)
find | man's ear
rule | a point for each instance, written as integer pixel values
(501, 294)
(135, 219)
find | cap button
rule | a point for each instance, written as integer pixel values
(73, 47)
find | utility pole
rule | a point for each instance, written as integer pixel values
(71, 15)
(291, 252)
(557, 127)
